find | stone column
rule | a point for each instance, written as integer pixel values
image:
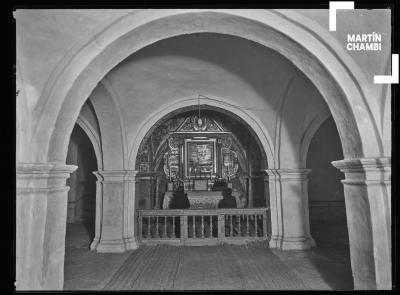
(99, 210)
(289, 209)
(117, 207)
(368, 197)
(129, 238)
(41, 204)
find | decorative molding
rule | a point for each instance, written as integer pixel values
(363, 164)
(289, 174)
(116, 175)
(43, 177)
(365, 170)
(208, 125)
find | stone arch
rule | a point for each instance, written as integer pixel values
(318, 59)
(252, 121)
(93, 137)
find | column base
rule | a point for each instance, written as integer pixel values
(94, 244)
(131, 243)
(292, 243)
(275, 242)
(297, 243)
(111, 246)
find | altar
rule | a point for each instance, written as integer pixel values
(199, 199)
(203, 158)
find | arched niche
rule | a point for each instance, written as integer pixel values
(248, 182)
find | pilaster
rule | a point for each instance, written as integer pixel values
(368, 197)
(290, 229)
(42, 199)
(115, 220)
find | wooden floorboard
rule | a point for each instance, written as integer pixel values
(226, 267)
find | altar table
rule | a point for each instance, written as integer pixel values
(199, 199)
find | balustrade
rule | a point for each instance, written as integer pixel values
(202, 227)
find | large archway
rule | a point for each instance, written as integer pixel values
(335, 95)
(72, 85)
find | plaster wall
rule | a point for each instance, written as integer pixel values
(251, 77)
(45, 36)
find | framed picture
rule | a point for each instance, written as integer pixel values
(200, 158)
(230, 163)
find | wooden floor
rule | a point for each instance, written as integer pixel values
(326, 267)
(223, 267)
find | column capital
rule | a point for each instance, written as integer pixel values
(115, 175)
(42, 175)
(288, 174)
(374, 169)
(363, 164)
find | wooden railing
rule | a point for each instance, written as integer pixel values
(202, 227)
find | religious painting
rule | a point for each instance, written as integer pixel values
(200, 158)
(230, 163)
(171, 165)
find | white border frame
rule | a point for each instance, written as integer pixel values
(187, 140)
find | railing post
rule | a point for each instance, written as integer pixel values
(247, 226)
(173, 227)
(140, 226)
(264, 223)
(165, 227)
(221, 227)
(157, 229)
(256, 224)
(202, 227)
(211, 226)
(148, 227)
(230, 225)
(184, 223)
(240, 226)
